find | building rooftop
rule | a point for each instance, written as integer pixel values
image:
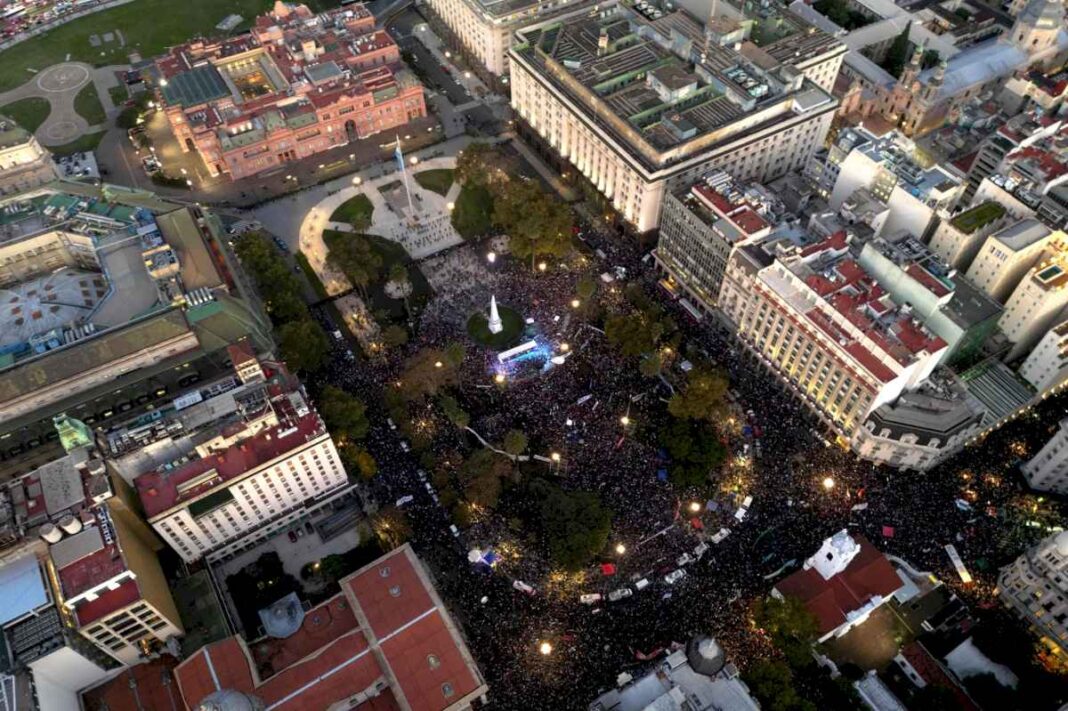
(22, 588)
(1022, 234)
(920, 182)
(659, 102)
(195, 477)
(387, 630)
(936, 411)
(734, 210)
(849, 305)
(868, 575)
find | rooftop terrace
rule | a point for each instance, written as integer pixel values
(978, 217)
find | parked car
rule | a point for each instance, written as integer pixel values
(523, 587)
(405, 446)
(407, 499)
(590, 598)
(674, 576)
(641, 584)
(720, 535)
(389, 421)
(454, 531)
(700, 550)
(684, 559)
(621, 594)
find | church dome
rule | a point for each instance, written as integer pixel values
(229, 700)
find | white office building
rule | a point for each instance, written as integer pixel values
(1035, 586)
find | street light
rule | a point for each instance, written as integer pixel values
(414, 160)
(499, 378)
(575, 303)
(357, 181)
(491, 257)
(450, 206)
(555, 456)
(565, 347)
(438, 364)
(621, 549)
(625, 420)
(828, 483)
(694, 506)
(542, 266)
(545, 648)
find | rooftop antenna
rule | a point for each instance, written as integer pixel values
(708, 29)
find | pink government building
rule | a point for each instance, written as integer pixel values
(297, 84)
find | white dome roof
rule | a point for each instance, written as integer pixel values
(1062, 543)
(229, 700)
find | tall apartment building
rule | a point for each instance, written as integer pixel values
(225, 466)
(700, 226)
(957, 240)
(1035, 587)
(817, 318)
(1007, 255)
(946, 302)
(81, 586)
(643, 100)
(882, 167)
(1037, 303)
(1048, 469)
(296, 85)
(24, 164)
(1046, 366)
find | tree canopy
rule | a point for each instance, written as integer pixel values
(790, 625)
(703, 395)
(303, 345)
(428, 372)
(345, 414)
(537, 225)
(481, 477)
(515, 442)
(772, 683)
(392, 527)
(575, 524)
(695, 451)
(356, 257)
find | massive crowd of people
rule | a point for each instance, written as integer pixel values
(909, 515)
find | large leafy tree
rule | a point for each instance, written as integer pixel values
(515, 442)
(703, 397)
(428, 372)
(303, 345)
(345, 414)
(575, 524)
(481, 477)
(356, 257)
(772, 683)
(537, 225)
(392, 527)
(695, 451)
(790, 625)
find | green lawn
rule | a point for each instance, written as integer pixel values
(355, 211)
(438, 181)
(29, 113)
(148, 26)
(473, 212)
(87, 105)
(511, 321)
(88, 142)
(979, 216)
(118, 94)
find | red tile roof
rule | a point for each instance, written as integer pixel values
(144, 686)
(92, 570)
(927, 280)
(932, 672)
(159, 490)
(110, 601)
(390, 630)
(869, 574)
(240, 352)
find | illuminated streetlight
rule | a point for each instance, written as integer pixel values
(545, 648)
(491, 257)
(575, 303)
(542, 266)
(414, 160)
(828, 483)
(565, 347)
(621, 549)
(438, 364)
(625, 420)
(555, 456)
(694, 506)
(499, 377)
(357, 180)
(448, 54)
(450, 206)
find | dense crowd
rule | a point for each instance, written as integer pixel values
(909, 515)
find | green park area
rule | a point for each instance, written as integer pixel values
(87, 105)
(355, 211)
(512, 328)
(144, 26)
(438, 181)
(370, 262)
(28, 113)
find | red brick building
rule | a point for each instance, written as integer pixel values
(384, 642)
(297, 84)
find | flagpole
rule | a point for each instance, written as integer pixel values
(404, 176)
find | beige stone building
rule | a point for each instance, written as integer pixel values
(24, 163)
(601, 93)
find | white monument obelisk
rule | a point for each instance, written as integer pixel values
(494, 324)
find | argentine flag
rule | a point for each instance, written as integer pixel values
(398, 155)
